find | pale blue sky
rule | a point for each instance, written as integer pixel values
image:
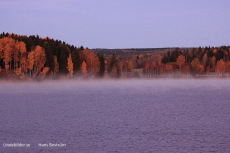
(121, 23)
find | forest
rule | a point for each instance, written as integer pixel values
(35, 58)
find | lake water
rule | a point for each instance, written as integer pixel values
(188, 115)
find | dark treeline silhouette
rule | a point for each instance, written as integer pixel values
(33, 57)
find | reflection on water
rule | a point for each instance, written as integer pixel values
(117, 116)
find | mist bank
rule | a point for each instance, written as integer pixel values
(104, 84)
(131, 76)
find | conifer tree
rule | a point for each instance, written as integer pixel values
(63, 60)
(76, 60)
(102, 65)
(49, 57)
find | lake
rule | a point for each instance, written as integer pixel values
(99, 116)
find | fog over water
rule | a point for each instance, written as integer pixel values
(155, 115)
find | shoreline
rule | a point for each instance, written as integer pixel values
(161, 77)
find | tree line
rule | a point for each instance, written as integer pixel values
(192, 61)
(33, 57)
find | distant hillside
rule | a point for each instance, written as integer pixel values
(135, 51)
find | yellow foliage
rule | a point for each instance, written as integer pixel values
(220, 67)
(39, 59)
(84, 68)
(180, 60)
(56, 65)
(30, 60)
(44, 71)
(70, 66)
(91, 60)
(18, 71)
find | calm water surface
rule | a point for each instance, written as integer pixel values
(116, 116)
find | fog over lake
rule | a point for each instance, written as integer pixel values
(87, 116)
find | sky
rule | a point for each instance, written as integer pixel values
(121, 23)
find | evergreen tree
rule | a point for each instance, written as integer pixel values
(102, 65)
(63, 60)
(76, 60)
(49, 57)
(112, 63)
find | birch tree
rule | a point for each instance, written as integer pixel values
(43, 72)
(8, 45)
(70, 66)
(180, 60)
(1, 53)
(16, 55)
(91, 60)
(220, 67)
(84, 68)
(22, 50)
(56, 65)
(7, 55)
(30, 61)
(39, 59)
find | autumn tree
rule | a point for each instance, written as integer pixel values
(22, 50)
(70, 66)
(228, 67)
(152, 69)
(204, 60)
(8, 50)
(196, 66)
(91, 60)
(220, 67)
(200, 68)
(84, 69)
(39, 59)
(44, 72)
(159, 59)
(180, 60)
(1, 55)
(185, 68)
(127, 66)
(56, 65)
(147, 70)
(30, 61)
(16, 55)
(114, 68)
